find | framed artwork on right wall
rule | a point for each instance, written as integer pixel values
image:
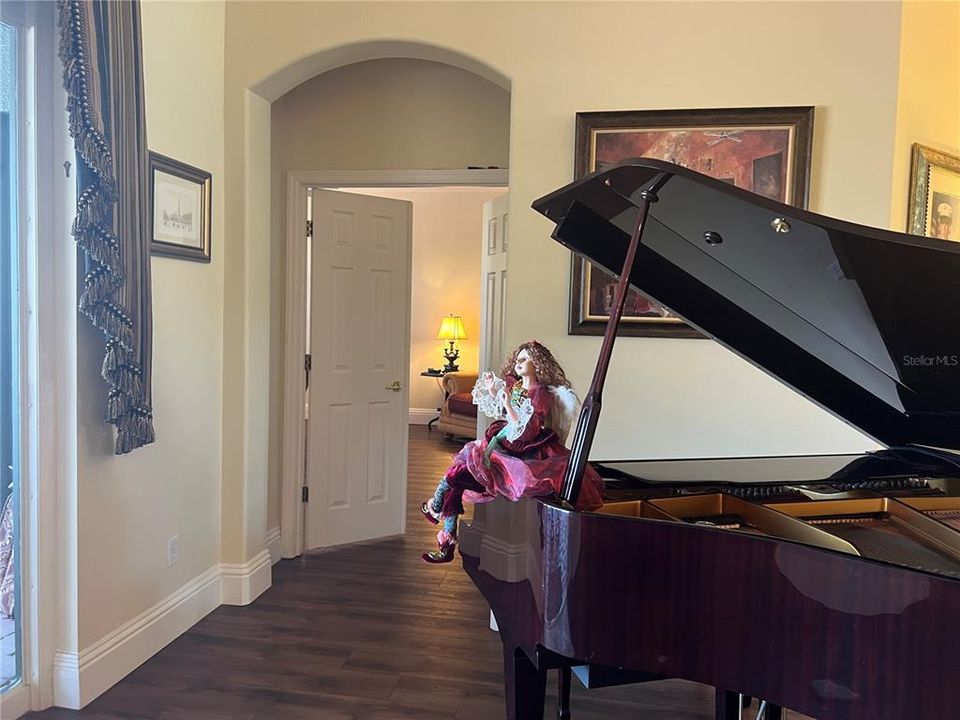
(765, 150)
(934, 209)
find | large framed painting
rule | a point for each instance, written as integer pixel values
(764, 150)
(180, 208)
(934, 209)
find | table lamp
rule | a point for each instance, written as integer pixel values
(451, 329)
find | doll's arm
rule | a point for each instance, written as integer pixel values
(520, 419)
(532, 415)
(490, 401)
(512, 416)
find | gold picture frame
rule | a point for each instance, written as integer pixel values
(934, 209)
(765, 150)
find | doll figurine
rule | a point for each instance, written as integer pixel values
(522, 453)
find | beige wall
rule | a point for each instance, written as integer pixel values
(129, 506)
(928, 106)
(206, 478)
(397, 113)
(673, 397)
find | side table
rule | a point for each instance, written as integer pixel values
(436, 375)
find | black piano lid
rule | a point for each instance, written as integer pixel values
(864, 322)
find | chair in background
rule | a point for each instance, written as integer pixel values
(458, 415)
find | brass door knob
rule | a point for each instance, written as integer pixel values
(395, 386)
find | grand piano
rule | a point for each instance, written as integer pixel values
(829, 585)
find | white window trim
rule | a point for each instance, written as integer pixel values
(17, 699)
(53, 586)
(48, 552)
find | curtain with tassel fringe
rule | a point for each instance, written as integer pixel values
(101, 52)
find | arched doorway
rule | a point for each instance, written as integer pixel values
(355, 79)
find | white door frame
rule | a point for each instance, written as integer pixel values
(295, 342)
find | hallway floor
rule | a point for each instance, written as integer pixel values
(365, 631)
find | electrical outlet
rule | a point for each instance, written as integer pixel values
(173, 550)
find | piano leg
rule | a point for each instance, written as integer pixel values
(525, 686)
(769, 712)
(563, 693)
(774, 712)
(728, 705)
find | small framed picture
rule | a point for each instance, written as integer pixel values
(180, 207)
(934, 194)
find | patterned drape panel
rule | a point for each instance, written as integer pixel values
(102, 71)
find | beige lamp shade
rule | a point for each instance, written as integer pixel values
(451, 328)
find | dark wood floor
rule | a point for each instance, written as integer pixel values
(366, 631)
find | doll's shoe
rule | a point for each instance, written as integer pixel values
(428, 514)
(443, 555)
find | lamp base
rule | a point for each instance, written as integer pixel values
(452, 356)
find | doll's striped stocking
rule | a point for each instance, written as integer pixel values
(437, 503)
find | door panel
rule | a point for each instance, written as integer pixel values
(359, 339)
(493, 283)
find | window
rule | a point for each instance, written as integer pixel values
(37, 345)
(12, 74)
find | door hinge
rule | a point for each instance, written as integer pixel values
(305, 494)
(310, 228)
(307, 362)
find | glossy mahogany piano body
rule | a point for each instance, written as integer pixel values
(840, 599)
(813, 629)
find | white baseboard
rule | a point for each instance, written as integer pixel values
(66, 680)
(81, 677)
(15, 703)
(421, 416)
(273, 545)
(245, 582)
(78, 678)
(472, 533)
(505, 561)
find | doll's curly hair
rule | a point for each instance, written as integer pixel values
(548, 369)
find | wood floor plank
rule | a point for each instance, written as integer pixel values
(365, 631)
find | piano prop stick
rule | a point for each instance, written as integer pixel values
(590, 412)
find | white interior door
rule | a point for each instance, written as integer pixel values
(360, 352)
(493, 284)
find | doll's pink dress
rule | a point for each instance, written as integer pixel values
(532, 464)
